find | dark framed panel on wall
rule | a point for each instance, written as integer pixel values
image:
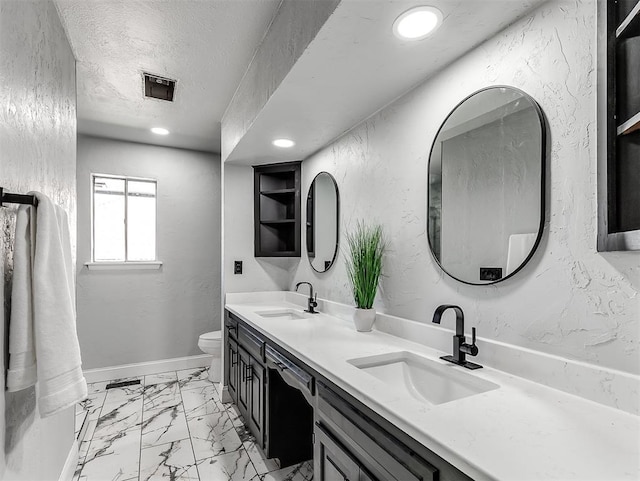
(277, 215)
(619, 125)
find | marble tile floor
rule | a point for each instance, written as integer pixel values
(171, 426)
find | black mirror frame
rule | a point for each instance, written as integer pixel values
(543, 154)
(335, 252)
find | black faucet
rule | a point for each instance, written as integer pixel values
(460, 347)
(313, 303)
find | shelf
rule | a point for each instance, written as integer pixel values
(630, 26)
(277, 221)
(278, 254)
(277, 210)
(630, 125)
(277, 192)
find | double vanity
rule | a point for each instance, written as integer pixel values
(377, 406)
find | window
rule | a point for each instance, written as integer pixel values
(124, 219)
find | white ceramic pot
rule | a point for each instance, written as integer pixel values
(364, 319)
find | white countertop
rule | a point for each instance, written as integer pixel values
(521, 431)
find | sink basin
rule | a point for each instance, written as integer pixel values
(283, 314)
(422, 378)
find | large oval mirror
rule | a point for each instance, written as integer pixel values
(323, 207)
(486, 186)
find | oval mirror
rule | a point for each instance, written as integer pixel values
(323, 207)
(486, 186)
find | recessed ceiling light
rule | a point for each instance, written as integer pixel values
(284, 143)
(160, 131)
(417, 23)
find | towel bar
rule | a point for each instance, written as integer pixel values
(16, 198)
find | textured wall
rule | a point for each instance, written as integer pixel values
(37, 152)
(569, 300)
(295, 25)
(259, 274)
(136, 316)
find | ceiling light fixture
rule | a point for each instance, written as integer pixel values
(160, 131)
(283, 143)
(417, 23)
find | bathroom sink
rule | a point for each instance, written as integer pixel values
(422, 378)
(283, 314)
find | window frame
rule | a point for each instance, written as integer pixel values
(126, 263)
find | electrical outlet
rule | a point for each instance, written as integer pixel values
(490, 273)
(237, 267)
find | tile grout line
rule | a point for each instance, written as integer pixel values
(92, 435)
(242, 446)
(240, 449)
(195, 461)
(144, 389)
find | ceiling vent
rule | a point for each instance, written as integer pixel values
(158, 87)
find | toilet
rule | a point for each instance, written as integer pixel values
(210, 343)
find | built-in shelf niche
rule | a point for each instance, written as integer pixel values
(619, 222)
(277, 210)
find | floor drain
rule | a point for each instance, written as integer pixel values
(122, 384)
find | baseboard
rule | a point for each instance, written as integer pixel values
(146, 368)
(70, 464)
(225, 396)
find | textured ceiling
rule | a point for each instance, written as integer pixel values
(205, 44)
(355, 66)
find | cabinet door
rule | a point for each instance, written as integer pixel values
(243, 383)
(256, 404)
(331, 461)
(232, 369)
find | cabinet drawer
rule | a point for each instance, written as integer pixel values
(252, 342)
(231, 325)
(332, 462)
(380, 453)
(293, 374)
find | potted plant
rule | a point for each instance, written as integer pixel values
(366, 246)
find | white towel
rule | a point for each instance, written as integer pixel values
(42, 332)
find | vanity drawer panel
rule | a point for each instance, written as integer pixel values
(381, 453)
(292, 373)
(231, 325)
(252, 342)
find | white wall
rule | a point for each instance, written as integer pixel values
(137, 316)
(37, 152)
(294, 25)
(569, 300)
(258, 274)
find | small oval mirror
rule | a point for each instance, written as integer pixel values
(486, 186)
(323, 207)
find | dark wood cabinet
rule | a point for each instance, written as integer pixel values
(619, 222)
(243, 385)
(245, 374)
(277, 214)
(333, 462)
(231, 356)
(345, 433)
(251, 390)
(256, 398)
(232, 369)
(296, 413)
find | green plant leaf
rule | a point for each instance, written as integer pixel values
(366, 247)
